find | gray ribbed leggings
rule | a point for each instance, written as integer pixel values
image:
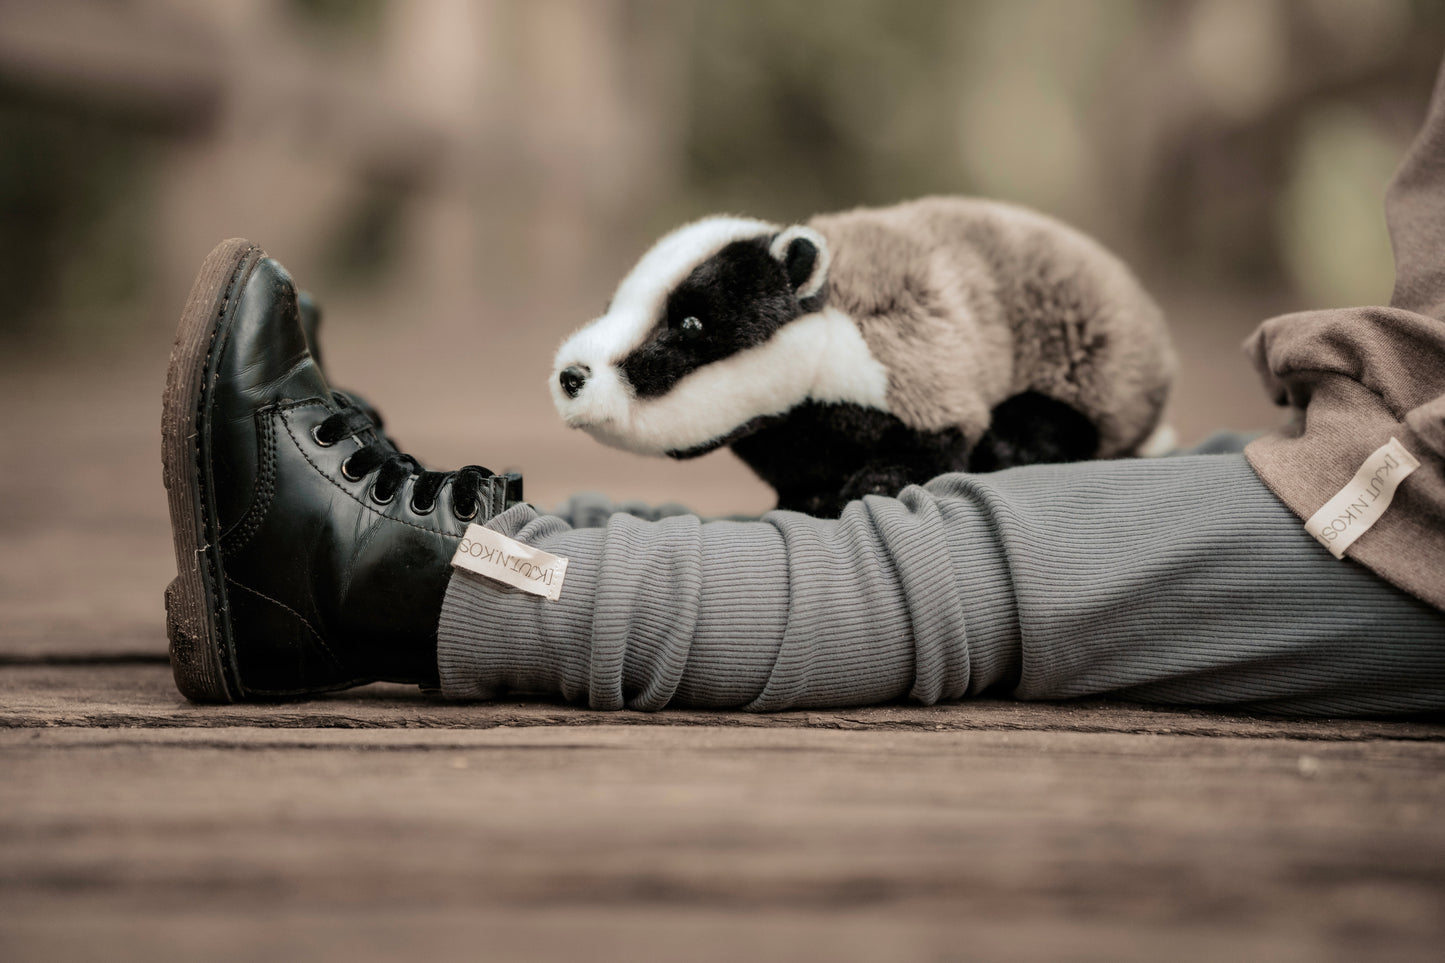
(1178, 580)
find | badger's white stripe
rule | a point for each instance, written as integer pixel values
(637, 305)
(819, 356)
(779, 251)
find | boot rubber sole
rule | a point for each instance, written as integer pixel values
(202, 656)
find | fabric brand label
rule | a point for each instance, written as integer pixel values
(1363, 500)
(506, 560)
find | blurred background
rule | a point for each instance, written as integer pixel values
(463, 182)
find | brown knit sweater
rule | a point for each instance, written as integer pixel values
(1356, 377)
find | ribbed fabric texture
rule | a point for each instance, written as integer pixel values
(1178, 580)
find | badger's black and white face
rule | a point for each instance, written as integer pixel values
(721, 323)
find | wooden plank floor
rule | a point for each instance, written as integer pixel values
(383, 823)
(136, 826)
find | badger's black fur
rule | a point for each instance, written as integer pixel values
(872, 349)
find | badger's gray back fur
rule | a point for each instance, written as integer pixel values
(969, 302)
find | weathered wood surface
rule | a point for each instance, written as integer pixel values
(141, 695)
(134, 826)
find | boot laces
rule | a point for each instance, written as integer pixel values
(379, 454)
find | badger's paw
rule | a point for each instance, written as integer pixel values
(886, 480)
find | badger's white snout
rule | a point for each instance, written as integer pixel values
(588, 392)
(597, 399)
(592, 394)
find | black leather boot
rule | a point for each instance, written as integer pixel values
(311, 555)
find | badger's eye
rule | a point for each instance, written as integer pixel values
(691, 328)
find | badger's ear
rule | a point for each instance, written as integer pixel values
(804, 256)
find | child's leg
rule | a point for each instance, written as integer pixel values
(1175, 580)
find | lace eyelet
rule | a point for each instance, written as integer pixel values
(421, 511)
(316, 436)
(346, 471)
(381, 501)
(467, 518)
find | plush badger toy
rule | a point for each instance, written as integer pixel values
(872, 348)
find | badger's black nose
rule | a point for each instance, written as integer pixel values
(573, 377)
